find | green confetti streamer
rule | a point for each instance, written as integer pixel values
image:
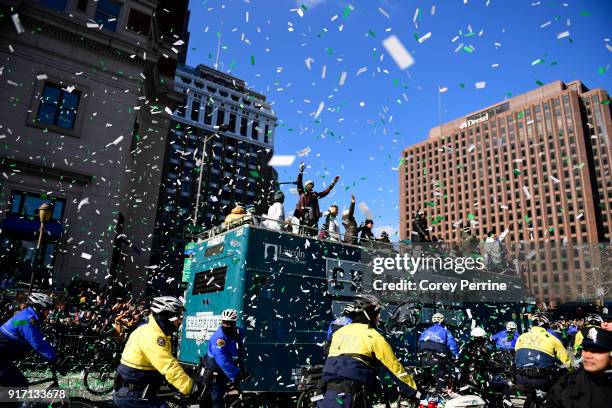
(468, 49)
(540, 83)
(346, 12)
(252, 60)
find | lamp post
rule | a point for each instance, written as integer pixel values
(223, 128)
(45, 211)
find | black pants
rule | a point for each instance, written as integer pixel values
(437, 370)
(309, 227)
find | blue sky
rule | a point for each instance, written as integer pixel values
(366, 122)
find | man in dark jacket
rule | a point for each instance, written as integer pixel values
(366, 235)
(419, 228)
(592, 385)
(350, 224)
(307, 208)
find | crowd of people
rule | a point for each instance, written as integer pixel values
(307, 214)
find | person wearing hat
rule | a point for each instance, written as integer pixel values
(238, 212)
(307, 208)
(436, 347)
(538, 354)
(21, 334)
(356, 353)
(591, 386)
(223, 359)
(276, 213)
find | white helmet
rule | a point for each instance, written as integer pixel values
(478, 332)
(40, 299)
(229, 315)
(511, 326)
(437, 318)
(168, 304)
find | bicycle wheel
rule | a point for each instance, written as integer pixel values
(99, 379)
(304, 399)
(249, 401)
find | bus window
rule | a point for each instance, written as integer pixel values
(209, 281)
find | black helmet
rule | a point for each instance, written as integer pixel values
(594, 320)
(539, 319)
(367, 304)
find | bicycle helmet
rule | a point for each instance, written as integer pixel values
(511, 326)
(539, 319)
(40, 299)
(478, 332)
(167, 304)
(348, 309)
(594, 320)
(229, 315)
(437, 318)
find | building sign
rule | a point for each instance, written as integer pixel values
(472, 122)
(201, 326)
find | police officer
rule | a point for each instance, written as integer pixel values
(21, 334)
(592, 320)
(223, 357)
(357, 351)
(537, 355)
(147, 359)
(590, 386)
(436, 346)
(475, 358)
(340, 321)
(506, 339)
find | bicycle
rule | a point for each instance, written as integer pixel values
(99, 375)
(63, 400)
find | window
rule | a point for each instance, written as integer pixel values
(139, 22)
(82, 5)
(255, 131)
(208, 112)
(220, 117)
(195, 110)
(232, 122)
(107, 14)
(267, 135)
(58, 107)
(59, 5)
(243, 126)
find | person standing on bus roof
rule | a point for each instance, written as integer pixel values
(307, 208)
(223, 357)
(276, 213)
(350, 224)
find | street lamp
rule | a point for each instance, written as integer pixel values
(223, 128)
(45, 211)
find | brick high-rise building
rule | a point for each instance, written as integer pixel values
(538, 165)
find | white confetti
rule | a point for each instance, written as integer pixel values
(92, 25)
(70, 88)
(383, 12)
(41, 77)
(362, 70)
(563, 35)
(17, 23)
(480, 85)
(527, 193)
(82, 203)
(442, 89)
(281, 160)
(579, 216)
(116, 141)
(85, 255)
(424, 38)
(398, 52)
(308, 61)
(304, 152)
(319, 110)
(554, 179)
(342, 78)
(179, 42)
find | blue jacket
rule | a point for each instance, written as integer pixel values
(336, 324)
(572, 329)
(551, 331)
(20, 334)
(502, 342)
(438, 338)
(225, 352)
